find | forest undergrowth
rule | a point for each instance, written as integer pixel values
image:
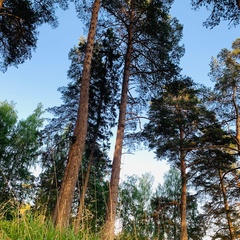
(23, 224)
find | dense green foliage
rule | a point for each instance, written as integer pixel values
(146, 211)
(166, 205)
(135, 209)
(179, 109)
(181, 125)
(19, 151)
(18, 28)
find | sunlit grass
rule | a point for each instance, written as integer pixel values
(20, 223)
(29, 227)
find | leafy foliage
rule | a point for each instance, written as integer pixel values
(135, 212)
(166, 206)
(19, 150)
(156, 215)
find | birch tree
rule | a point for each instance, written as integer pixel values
(19, 151)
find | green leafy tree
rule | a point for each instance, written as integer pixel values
(166, 206)
(167, 212)
(156, 215)
(135, 210)
(19, 151)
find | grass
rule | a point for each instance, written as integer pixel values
(19, 223)
(28, 227)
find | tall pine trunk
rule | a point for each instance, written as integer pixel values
(62, 209)
(78, 219)
(116, 165)
(226, 206)
(184, 233)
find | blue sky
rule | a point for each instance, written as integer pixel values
(37, 80)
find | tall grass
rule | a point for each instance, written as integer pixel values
(17, 223)
(29, 227)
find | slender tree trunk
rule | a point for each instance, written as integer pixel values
(237, 118)
(175, 223)
(116, 166)
(238, 3)
(184, 233)
(87, 175)
(1, 3)
(63, 206)
(226, 206)
(78, 219)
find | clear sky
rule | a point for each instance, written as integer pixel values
(37, 80)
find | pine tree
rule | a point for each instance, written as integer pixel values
(135, 21)
(166, 205)
(176, 120)
(225, 101)
(101, 118)
(220, 10)
(19, 21)
(63, 206)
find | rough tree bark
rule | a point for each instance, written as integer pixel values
(116, 166)
(78, 219)
(63, 206)
(1, 3)
(184, 233)
(234, 100)
(226, 206)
